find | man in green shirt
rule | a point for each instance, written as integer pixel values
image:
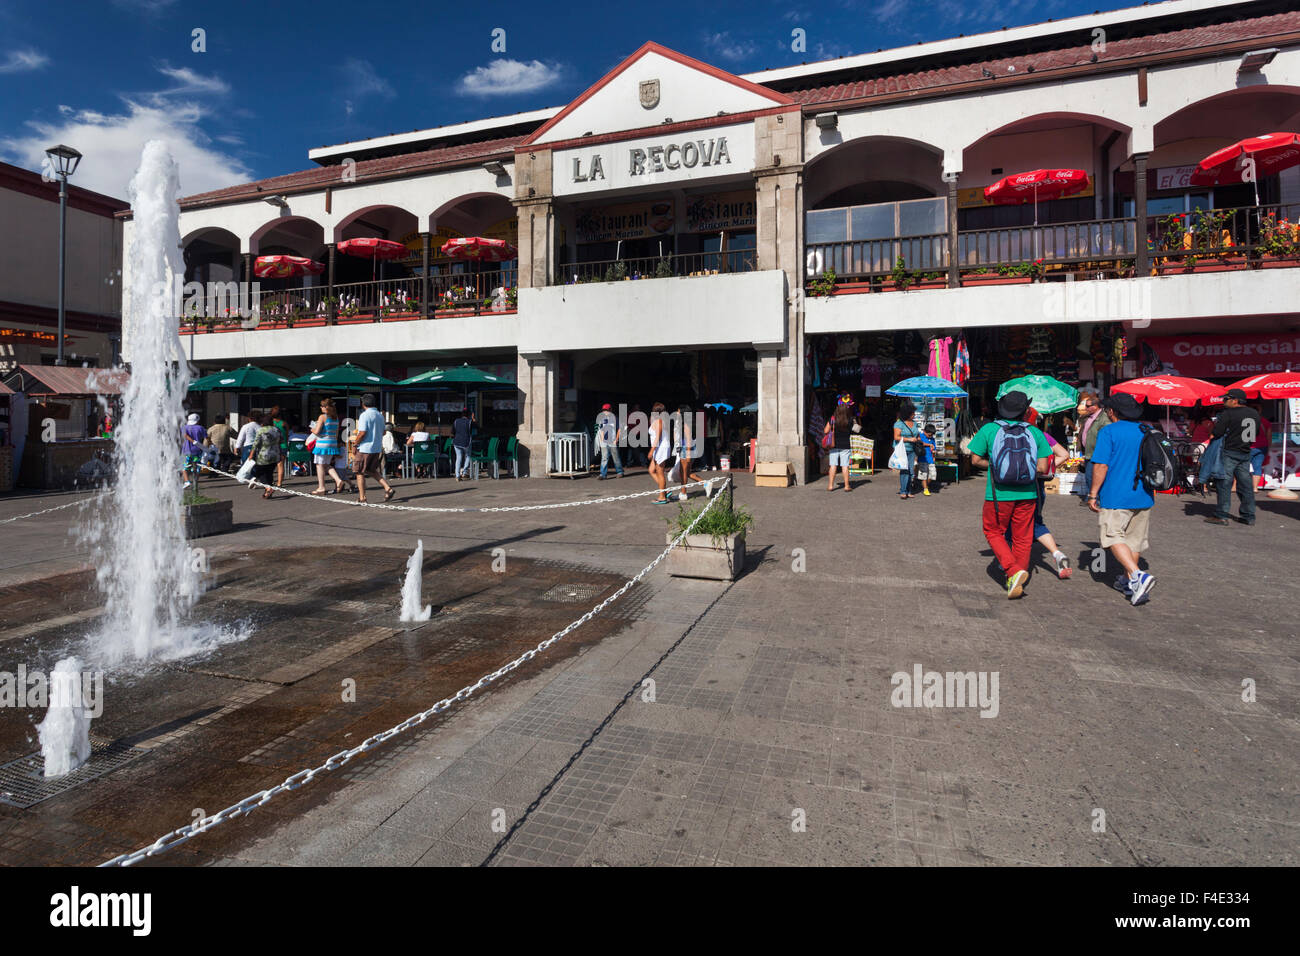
(1011, 450)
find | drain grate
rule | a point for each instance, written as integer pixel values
(23, 784)
(572, 593)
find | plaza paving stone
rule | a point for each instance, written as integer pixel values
(771, 695)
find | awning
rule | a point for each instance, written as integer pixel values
(66, 382)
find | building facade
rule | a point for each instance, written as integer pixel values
(691, 236)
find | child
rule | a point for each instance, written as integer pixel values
(925, 469)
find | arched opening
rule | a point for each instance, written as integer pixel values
(378, 222)
(212, 255)
(486, 215)
(872, 201)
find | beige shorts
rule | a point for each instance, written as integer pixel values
(1121, 526)
(927, 472)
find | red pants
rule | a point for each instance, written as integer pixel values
(1019, 516)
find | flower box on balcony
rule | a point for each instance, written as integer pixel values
(1278, 262)
(890, 285)
(993, 278)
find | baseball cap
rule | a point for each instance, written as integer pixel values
(1236, 393)
(605, 407)
(194, 418)
(1125, 405)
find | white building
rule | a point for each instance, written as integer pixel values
(670, 219)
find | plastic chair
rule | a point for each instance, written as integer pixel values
(425, 453)
(299, 455)
(488, 455)
(511, 454)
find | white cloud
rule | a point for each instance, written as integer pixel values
(729, 48)
(364, 81)
(23, 61)
(504, 76)
(111, 144)
(187, 81)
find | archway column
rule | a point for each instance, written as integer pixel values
(537, 382)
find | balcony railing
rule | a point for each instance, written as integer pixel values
(657, 267)
(455, 294)
(1227, 238)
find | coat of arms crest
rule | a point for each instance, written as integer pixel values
(649, 93)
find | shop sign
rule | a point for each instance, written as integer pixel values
(654, 159)
(412, 407)
(626, 221)
(1226, 356)
(1174, 177)
(28, 337)
(735, 210)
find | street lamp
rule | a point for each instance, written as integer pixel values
(64, 160)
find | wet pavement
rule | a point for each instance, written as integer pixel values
(1124, 736)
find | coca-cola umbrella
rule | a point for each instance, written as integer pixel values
(1021, 188)
(284, 267)
(479, 249)
(1248, 159)
(1172, 390)
(1274, 385)
(373, 249)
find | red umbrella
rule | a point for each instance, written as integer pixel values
(1020, 188)
(479, 249)
(1172, 390)
(373, 249)
(282, 267)
(1271, 385)
(1268, 154)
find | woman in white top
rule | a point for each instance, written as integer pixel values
(660, 450)
(418, 433)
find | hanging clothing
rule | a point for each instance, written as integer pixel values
(961, 367)
(939, 365)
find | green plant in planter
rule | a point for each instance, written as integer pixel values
(512, 296)
(664, 268)
(616, 272)
(721, 522)
(824, 284)
(192, 497)
(902, 278)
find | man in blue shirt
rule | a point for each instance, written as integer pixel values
(1122, 502)
(462, 433)
(370, 449)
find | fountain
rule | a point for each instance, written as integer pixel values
(411, 609)
(65, 731)
(142, 560)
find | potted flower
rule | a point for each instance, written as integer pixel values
(899, 277)
(512, 296)
(984, 276)
(930, 280)
(1279, 242)
(822, 285)
(715, 548)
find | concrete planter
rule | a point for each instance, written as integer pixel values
(216, 517)
(698, 557)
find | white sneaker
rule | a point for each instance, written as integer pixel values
(186, 485)
(681, 496)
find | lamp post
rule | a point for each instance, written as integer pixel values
(64, 160)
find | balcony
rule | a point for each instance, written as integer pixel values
(682, 265)
(386, 300)
(1200, 241)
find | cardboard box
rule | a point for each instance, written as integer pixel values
(773, 481)
(1052, 485)
(772, 469)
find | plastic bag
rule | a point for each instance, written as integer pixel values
(898, 459)
(246, 469)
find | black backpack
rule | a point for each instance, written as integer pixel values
(1158, 467)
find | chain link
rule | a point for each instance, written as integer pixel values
(71, 504)
(502, 508)
(302, 777)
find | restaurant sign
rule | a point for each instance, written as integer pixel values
(624, 221)
(1226, 356)
(736, 210)
(652, 160)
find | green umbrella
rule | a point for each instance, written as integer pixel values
(1046, 394)
(346, 376)
(464, 375)
(249, 378)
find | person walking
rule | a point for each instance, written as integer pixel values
(370, 449)
(244, 441)
(1042, 534)
(607, 436)
(193, 439)
(660, 451)
(840, 427)
(220, 446)
(1091, 421)
(462, 431)
(327, 453)
(1239, 426)
(1015, 454)
(905, 430)
(712, 439)
(265, 453)
(277, 419)
(1122, 502)
(925, 467)
(689, 447)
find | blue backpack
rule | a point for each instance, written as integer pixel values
(1014, 455)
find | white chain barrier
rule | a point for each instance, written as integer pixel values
(70, 504)
(338, 500)
(252, 802)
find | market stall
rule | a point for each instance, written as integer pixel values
(54, 423)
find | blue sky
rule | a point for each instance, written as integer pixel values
(277, 79)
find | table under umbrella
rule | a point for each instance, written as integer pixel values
(926, 386)
(1021, 188)
(1172, 390)
(1268, 154)
(479, 249)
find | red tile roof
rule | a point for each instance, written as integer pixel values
(65, 380)
(1072, 56)
(384, 167)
